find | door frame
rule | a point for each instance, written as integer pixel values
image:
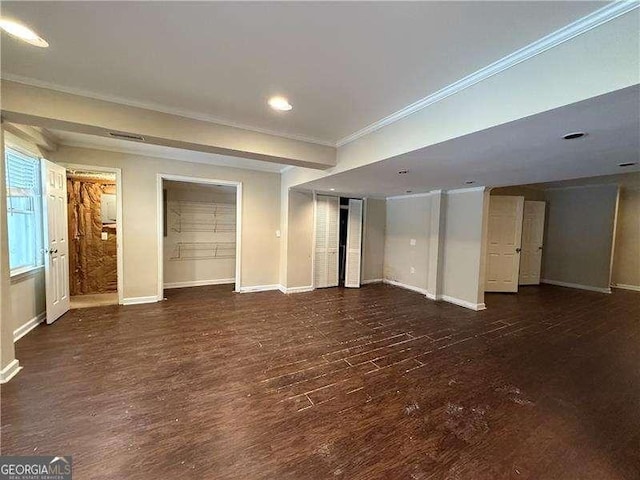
(119, 232)
(160, 177)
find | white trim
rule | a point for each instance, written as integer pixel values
(283, 289)
(199, 283)
(624, 286)
(119, 222)
(159, 218)
(26, 272)
(158, 108)
(10, 371)
(576, 285)
(258, 288)
(405, 286)
(22, 330)
(139, 300)
(433, 296)
(465, 190)
(373, 280)
(593, 20)
(287, 168)
(463, 303)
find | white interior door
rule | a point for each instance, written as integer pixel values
(327, 240)
(56, 261)
(354, 244)
(532, 238)
(504, 237)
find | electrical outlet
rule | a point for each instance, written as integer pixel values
(412, 242)
(105, 236)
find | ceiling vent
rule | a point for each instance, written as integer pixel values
(127, 136)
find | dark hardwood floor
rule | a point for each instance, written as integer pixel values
(376, 383)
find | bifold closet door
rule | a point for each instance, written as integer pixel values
(326, 241)
(354, 244)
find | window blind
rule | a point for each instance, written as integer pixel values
(23, 182)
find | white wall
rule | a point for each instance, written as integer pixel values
(27, 299)
(463, 247)
(260, 219)
(191, 272)
(374, 239)
(579, 235)
(407, 219)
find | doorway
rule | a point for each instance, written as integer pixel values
(337, 256)
(93, 228)
(200, 232)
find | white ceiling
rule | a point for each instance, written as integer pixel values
(74, 139)
(343, 65)
(530, 150)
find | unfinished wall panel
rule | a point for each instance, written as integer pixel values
(92, 256)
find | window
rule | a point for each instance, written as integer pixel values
(24, 211)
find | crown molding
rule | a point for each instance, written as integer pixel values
(32, 82)
(583, 25)
(415, 195)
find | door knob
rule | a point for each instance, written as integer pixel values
(539, 248)
(518, 250)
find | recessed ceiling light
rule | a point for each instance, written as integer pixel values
(573, 135)
(403, 172)
(332, 189)
(470, 182)
(627, 164)
(22, 32)
(280, 103)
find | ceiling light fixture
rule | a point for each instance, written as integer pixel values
(22, 32)
(627, 164)
(403, 172)
(332, 189)
(469, 182)
(280, 103)
(574, 135)
(409, 191)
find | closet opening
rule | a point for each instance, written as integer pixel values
(200, 231)
(337, 241)
(92, 207)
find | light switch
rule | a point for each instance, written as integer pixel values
(105, 236)
(413, 270)
(412, 242)
(278, 233)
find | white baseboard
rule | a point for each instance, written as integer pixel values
(139, 300)
(375, 280)
(258, 288)
(576, 285)
(199, 283)
(624, 286)
(283, 289)
(433, 296)
(21, 331)
(405, 286)
(464, 303)
(10, 371)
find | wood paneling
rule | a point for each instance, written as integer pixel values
(370, 383)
